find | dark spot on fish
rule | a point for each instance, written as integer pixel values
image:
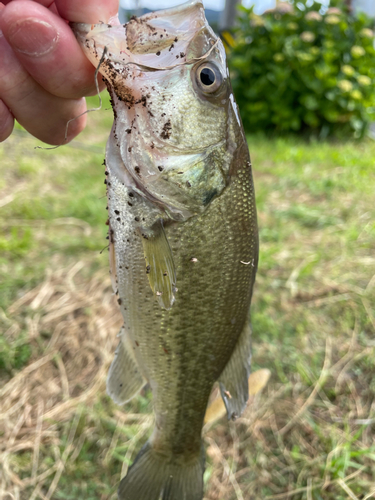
(161, 36)
(130, 204)
(136, 343)
(171, 47)
(176, 39)
(105, 181)
(165, 273)
(160, 168)
(119, 301)
(148, 269)
(106, 173)
(158, 53)
(138, 170)
(118, 219)
(107, 222)
(131, 195)
(152, 145)
(166, 132)
(165, 350)
(116, 212)
(130, 149)
(163, 114)
(182, 54)
(188, 184)
(209, 196)
(129, 130)
(136, 219)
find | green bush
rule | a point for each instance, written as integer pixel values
(296, 69)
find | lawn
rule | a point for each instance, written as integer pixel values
(308, 436)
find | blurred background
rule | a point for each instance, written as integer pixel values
(303, 74)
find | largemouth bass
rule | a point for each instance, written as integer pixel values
(183, 235)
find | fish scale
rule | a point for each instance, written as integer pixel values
(209, 289)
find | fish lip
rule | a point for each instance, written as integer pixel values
(181, 24)
(190, 4)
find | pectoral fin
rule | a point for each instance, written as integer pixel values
(124, 379)
(160, 267)
(233, 381)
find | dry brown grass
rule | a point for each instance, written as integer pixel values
(74, 321)
(308, 436)
(81, 321)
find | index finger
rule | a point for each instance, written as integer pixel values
(87, 11)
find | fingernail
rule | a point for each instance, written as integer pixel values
(32, 37)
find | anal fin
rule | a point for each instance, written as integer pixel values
(256, 382)
(233, 381)
(160, 267)
(124, 379)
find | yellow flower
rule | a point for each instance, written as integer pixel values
(345, 85)
(256, 21)
(357, 51)
(304, 56)
(348, 70)
(307, 36)
(334, 10)
(367, 33)
(332, 19)
(356, 94)
(364, 80)
(313, 16)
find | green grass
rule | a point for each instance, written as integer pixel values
(309, 436)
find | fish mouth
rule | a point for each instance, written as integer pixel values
(141, 62)
(155, 41)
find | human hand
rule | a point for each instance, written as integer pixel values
(43, 71)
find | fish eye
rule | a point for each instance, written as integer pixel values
(208, 77)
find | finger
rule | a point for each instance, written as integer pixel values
(6, 122)
(46, 3)
(87, 11)
(42, 114)
(47, 48)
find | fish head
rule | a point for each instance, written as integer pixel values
(174, 134)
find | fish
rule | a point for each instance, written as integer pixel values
(183, 235)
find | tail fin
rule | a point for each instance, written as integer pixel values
(156, 477)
